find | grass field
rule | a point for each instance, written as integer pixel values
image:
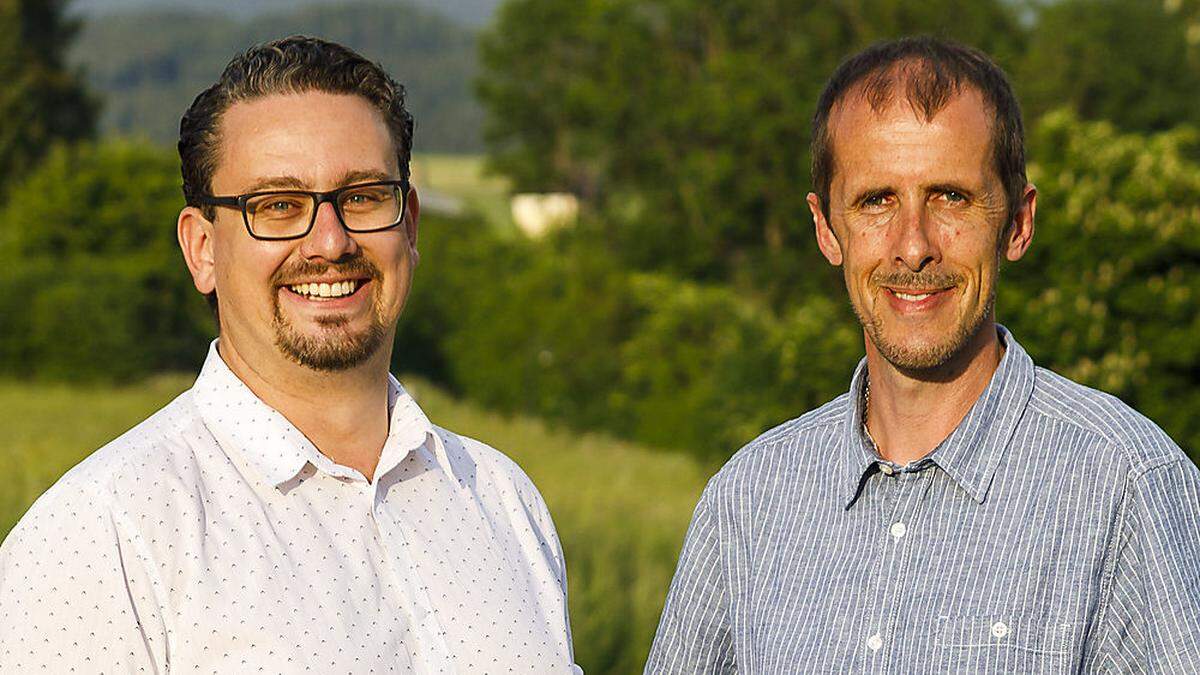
(621, 511)
(463, 177)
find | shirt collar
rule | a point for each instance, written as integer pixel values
(409, 429)
(971, 453)
(246, 426)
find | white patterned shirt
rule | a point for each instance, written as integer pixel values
(214, 537)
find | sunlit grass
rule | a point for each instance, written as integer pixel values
(463, 177)
(621, 511)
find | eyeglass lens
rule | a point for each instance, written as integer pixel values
(289, 214)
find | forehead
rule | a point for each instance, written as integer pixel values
(900, 139)
(313, 136)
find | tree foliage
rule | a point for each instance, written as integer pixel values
(1109, 293)
(685, 124)
(559, 329)
(41, 100)
(1133, 63)
(94, 285)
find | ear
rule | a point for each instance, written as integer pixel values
(411, 216)
(195, 234)
(827, 240)
(1020, 231)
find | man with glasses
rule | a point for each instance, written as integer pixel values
(958, 510)
(295, 510)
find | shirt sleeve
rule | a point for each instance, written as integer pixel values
(694, 633)
(74, 596)
(556, 552)
(1152, 615)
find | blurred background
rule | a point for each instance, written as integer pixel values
(618, 285)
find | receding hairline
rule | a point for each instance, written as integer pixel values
(220, 146)
(891, 87)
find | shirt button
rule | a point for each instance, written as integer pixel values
(1000, 629)
(887, 469)
(874, 642)
(898, 530)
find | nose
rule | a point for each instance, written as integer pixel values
(916, 243)
(328, 239)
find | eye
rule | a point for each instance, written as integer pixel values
(367, 196)
(875, 200)
(954, 197)
(283, 206)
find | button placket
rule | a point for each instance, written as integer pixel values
(393, 537)
(909, 492)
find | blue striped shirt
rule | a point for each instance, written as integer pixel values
(1055, 530)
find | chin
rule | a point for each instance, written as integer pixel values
(930, 352)
(331, 348)
(918, 357)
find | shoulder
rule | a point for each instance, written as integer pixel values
(489, 467)
(483, 456)
(1111, 423)
(784, 448)
(121, 472)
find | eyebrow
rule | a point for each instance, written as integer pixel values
(276, 182)
(364, 175)
(288, 182)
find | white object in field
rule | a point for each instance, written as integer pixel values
(537, 213)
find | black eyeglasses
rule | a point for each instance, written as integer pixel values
(290, 214)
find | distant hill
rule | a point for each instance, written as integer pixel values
(149, 64)
(473, 13)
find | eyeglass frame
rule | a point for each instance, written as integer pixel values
(239, 202)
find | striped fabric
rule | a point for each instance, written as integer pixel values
(1055, 530)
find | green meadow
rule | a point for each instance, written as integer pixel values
(621, 510)
(465, 178)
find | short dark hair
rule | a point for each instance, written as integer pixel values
(933, 71)
(290, 65)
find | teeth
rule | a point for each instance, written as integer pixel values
(910, 297)
(325, 290)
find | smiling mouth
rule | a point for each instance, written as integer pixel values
(915, 295)
(326, 290)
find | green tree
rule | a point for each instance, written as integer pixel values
(1134, 63)
(41, 101)
(94, 286)
(1109, 293)
(685, 125)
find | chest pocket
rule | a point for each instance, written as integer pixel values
(1002, 643)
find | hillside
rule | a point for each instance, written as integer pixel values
(474, 13)
(148, 65)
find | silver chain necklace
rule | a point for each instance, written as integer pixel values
(866, 407)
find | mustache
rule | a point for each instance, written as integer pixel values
(354, 266)
(904, 279)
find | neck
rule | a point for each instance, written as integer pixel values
(911, 412)
(343, 413)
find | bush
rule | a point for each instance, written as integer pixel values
(94, 287)
(560, 330)
(707, 370)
